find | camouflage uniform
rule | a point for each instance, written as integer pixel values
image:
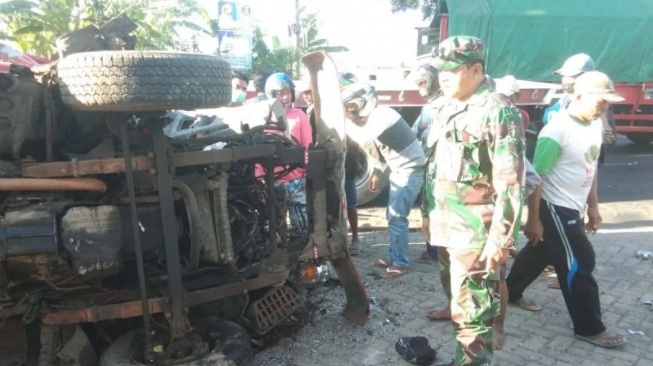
(478, 190)
(427, 192)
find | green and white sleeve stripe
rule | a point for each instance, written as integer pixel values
(547, 153)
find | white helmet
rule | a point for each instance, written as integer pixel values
(360, 99)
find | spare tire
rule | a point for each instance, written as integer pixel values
(141, 81)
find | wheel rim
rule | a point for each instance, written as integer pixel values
(363, 179)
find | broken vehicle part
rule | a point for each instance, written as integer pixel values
(276, 305)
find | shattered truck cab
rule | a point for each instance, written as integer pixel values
(106, 214)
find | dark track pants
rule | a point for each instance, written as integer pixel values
(567, 247)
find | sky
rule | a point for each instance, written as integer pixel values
(374, 35)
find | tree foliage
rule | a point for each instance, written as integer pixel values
(309, 38)
(276, 58)
(428, 7)
(35, 24)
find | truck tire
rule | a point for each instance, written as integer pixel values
(640, 138)
(141, 81)
(363, 193)
(229, 345)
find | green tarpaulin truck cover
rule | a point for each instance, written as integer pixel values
(530, 39)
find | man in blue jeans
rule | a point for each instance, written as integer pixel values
(395, 144)
(426, 80)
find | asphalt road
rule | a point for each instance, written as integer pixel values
(626, 186)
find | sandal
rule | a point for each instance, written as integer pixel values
(436, 315)
(604, 340)
(382, 263)
(393, 272)
(549, 271)
(527, 305)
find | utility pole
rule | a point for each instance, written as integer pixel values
(297, 39)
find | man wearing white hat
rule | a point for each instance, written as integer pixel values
(567, 159)
(572, 68)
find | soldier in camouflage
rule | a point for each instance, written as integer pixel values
(532, 181)
(477, 189)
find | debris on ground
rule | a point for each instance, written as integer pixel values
(638, 332)
(644, 254)
(379, 301)
(415, 350)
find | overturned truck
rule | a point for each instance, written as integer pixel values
(104, 216)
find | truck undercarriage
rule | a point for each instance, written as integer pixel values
(106, 217)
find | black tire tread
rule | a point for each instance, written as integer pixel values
(140, 81)
(640, 138)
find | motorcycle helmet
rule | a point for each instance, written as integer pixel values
(429, 74)
(359, 99)
(279, 81)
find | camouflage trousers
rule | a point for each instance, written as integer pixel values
(444, 264)
(474, 304)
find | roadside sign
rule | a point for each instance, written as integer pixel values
(235, 34)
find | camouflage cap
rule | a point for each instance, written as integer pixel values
(456, 50)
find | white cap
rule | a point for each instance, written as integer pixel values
(599, 84)
(507, 85)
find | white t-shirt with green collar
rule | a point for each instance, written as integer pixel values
(566, 157)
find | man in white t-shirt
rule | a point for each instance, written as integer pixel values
(566, 157)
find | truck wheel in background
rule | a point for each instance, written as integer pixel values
(363, 193)
(640, 138)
